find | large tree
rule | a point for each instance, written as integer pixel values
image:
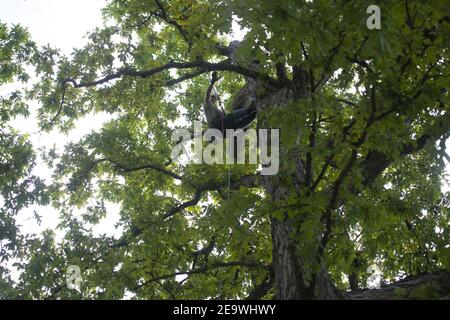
(363, 118)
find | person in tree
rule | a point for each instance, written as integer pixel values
(217, 119)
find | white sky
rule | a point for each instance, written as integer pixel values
(62, 24)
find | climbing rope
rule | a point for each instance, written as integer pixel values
(223, 126)
(229, 182)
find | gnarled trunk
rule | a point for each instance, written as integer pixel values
(293, 280)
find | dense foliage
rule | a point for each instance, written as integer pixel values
(370, 136)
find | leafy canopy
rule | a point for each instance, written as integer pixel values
(375, 94)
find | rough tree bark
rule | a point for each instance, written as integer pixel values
(290, 272)
(292, 279)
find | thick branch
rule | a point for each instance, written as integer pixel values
(261, 290)
(208, 66)
(376, 162)
(424, 286)
(184, 205)
(248, 181)
(185, 77)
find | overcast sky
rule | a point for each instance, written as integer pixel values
(63, 24)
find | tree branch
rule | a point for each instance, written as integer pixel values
(376, 162)
(184, 205)
(152, 166)
(261, 290)
(249, 181)
(435, 285)
(184, 77)
(206, 269)
(164, 16)
(326, 71)
(207, 66)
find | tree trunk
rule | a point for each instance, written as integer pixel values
(287, 266)
(293, 280)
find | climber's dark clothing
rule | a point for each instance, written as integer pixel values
(212, 113)
(238, 119)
